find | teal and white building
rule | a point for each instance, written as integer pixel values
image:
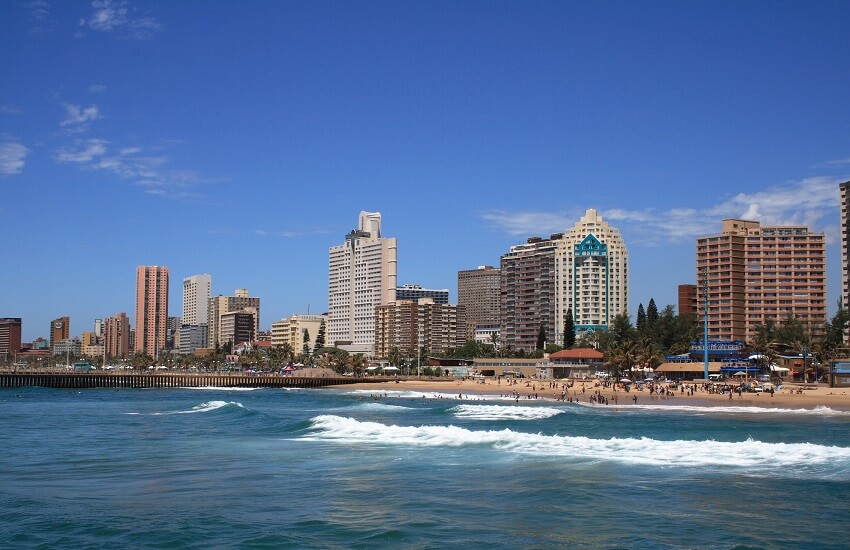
(592, 274)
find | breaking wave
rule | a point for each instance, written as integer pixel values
(203, 407)
(749, 457)
(504, 412)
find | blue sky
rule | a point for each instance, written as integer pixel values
(242, 139)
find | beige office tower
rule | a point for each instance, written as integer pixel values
(362, 275)
(197, 291)
(413, 325)
(592, 275)
(752, 274)
(151, 309)
(478, 292)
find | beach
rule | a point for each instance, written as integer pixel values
(792, 396)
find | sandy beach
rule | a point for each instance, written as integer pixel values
(789, 397)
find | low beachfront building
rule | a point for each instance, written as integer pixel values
(576, 363)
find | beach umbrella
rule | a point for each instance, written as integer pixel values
(625, 380)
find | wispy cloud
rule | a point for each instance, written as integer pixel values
(97, 88)
(12, 157)
(149, 172)
(838, 162)
(77, 115)
(39, 14)
(117, 16)
(83, 152)
(805, 202)
(291, 234)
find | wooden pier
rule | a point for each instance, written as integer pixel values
(172, 380)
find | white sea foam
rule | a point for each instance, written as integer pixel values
(216, 388)
(412, 394)
(504, 412)
(382, 407)
(747, 457)
(755, 410)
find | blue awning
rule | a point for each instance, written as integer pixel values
(739, 369)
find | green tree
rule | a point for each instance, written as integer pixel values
(651, 315)
(541, 337)
(641, 320)
(320, 337)
(305, 349)
(569, 330)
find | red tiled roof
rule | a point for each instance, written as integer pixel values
(577, 353)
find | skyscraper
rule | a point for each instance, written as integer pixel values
(844, 188)
(593, 274)
(584, 270)
(362, 275)
(197, 291)
(754, 274)
(478, 292)
(528, 294)
(151, 309)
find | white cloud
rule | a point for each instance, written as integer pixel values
(95, 88)
(530, 223)
(77, 115)
(117, 16)
(89, 151)
(12, 157)
(805, 202)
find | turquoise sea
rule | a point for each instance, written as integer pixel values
(271, 468)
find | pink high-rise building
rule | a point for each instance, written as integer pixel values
(151, 308)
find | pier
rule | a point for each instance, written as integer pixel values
(77, 380)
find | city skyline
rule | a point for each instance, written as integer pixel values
(241, 143)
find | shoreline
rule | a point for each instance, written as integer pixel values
(524, 390)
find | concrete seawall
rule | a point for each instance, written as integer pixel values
(171, 380)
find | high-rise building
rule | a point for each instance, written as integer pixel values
(528, 294)
(219, 305)
(10, 337)
(117, 335)
(151, 309)
(478, 292)
(844, 188)
(197, 291)
(415, 292)
(291, 331)
(754, 274)
(60, 329)
(408, 325)
(593, 274)
(362, 275)
(583, 271)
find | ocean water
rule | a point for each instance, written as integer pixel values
(271, 468)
